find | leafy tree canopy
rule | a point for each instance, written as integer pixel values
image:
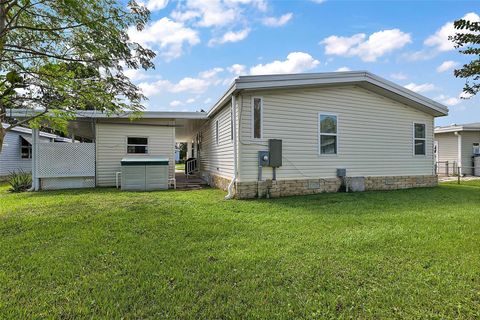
(468, 40)
(59, 56)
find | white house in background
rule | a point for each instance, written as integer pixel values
(16, 152)
(280, 135)
(457, 144)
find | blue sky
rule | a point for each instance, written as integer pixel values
(202, 45)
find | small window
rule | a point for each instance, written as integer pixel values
(137, 145)
(328, 134)
(420, 140)
(26, 149)
(257, 118)
(216, 132)
(476, 148)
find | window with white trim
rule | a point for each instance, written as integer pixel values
(328, 139)
(137, 145)
(26, 149)
(476, 148)
(257, 118)
(420, 139)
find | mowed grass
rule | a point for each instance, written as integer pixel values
(110, 254)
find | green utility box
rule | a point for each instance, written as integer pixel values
(144, 173)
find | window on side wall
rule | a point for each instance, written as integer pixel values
(419, 138)
(137, 145)
(26, 149)
(328, 140)
(231, 122)
(216, 132)
(257, 111)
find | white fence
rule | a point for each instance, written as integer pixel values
(66, 165)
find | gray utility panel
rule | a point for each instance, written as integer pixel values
(144, 173)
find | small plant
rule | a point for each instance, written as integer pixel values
(20, 181)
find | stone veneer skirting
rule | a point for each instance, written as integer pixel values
(283, 188)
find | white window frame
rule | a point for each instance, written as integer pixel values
(253, 117)
(146, 145)
(475, 145)
(415, 138)
(327, 134)
(29, 148)
(216, 132)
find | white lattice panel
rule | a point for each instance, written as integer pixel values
(57, 160)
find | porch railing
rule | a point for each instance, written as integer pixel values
(191, 166)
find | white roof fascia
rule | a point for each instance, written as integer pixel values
(326, 79)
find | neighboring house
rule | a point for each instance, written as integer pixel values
(456, 145)
(16, 152)
(380, 133)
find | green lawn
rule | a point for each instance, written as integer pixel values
(110, 254)
(180, 166)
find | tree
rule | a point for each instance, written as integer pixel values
(59, 56)
(470, 37)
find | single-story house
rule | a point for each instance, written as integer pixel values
(16, 154)
(455, 146)
(278, 135)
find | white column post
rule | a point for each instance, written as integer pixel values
(35, 179)
(459, 156)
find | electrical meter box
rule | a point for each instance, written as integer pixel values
(275, 149)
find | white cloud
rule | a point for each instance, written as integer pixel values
(207, 101)
(211, 13)
(175, 103)
(447, 65)
(237, 69)
(191, 100)
(398, 76)
(377, 44)
(277, 21)
(168, 36)
(341, 69)
(136, 74)
(447, 100)
(198, 85)
(439, 40)
(154, 5)
(296, 62)
(465, 95)
(230, 36)
(420, 55)
(425, 87)
(209, 74)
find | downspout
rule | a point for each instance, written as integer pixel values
(459, 151)
(231, 193)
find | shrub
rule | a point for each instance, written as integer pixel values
(20, 181)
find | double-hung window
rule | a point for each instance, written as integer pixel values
(257, 111)
(328, 131)
(137, 145)
(419, 138)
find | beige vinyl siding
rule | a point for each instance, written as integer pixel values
(217, 158)
(468, 138)
(111, 146)
(447, 147)
(375, 134)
